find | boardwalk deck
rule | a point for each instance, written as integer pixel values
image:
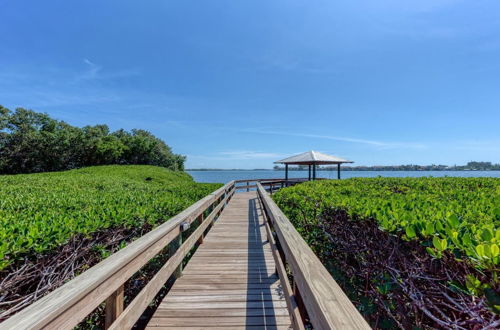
(230, 282)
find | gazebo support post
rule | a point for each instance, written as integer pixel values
(338, 171)
(286, 175)
(314, 172)
(309, 168)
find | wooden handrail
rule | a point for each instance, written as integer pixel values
(247, 184)
(252, 183)
(291, 302)
(271, 180)
(326, 304)
(68, 305)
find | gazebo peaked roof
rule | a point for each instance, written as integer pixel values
(312, 158)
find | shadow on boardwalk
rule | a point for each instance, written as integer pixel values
(259, 273)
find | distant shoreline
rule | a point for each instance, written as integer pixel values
(470, 166)
(343, 169)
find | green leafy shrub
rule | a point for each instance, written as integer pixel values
(39, 212)
(459, 215)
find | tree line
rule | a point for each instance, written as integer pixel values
(470, 166)
(33, 142)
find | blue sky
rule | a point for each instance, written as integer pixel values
(239, 84)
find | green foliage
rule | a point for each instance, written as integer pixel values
(39, 212)
(459, 215)
(33, 142)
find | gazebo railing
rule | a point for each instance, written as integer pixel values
(271, 185)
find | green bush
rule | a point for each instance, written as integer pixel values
(459, 215)
(39, 212)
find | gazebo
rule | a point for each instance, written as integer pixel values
(312, 158)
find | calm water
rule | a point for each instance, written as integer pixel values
(226, 176)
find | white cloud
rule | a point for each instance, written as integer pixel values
(91, 72)
(96, 72)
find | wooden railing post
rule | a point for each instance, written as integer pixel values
(114, 307)
(200, 221)
(300, 303)
(248, 183)
(172, 248)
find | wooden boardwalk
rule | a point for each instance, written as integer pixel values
(238, 278)
(230, 282)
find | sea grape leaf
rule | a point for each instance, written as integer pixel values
(437, 243)
(486, 234)
(473, 284)
(410, 231)
(466, 240)
(439, 226)
(453, 221)
(429, 229)
(444, 244)
(480, 250)
(431, 252)
(494, 250)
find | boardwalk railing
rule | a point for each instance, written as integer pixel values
(314, 294)
(252, 184)
(68, 305)
(271, 184)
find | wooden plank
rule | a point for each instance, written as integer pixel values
(262, 262)
(227, 280)
(228, 286)
(238, 244)
(223, 305)
(246, 276)
(228, 265)
(239, 327)
(224, 297)
(212, 272)
(242, 257)
(262, 255)
(184, 292)
(261, 269)
(114, 307)
(327, 305)
(224, 254)
(221, 312)
(176, 322)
